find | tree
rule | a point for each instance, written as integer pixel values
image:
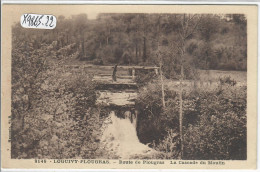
(29, 66)
(159, 55)
(80, 26)
(209, 26)
(189, 24)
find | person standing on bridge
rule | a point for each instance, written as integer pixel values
(114, 73)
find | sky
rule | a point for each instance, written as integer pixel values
(16, 11)
(91, 16)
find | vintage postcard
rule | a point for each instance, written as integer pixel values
(129, 86)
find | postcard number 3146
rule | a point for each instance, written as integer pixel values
(38, 21)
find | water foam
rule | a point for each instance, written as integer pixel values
(120, 137)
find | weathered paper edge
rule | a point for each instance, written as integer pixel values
(12, 13)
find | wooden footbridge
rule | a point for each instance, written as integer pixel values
(117, 86)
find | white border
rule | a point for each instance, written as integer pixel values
(132, 2)
(149, 2)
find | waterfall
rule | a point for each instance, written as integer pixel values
(120, 136)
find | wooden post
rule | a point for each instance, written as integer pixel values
(156, 71)
(133, 73)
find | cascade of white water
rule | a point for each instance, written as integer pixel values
(120, 136)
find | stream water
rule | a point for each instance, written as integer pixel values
(120, 137)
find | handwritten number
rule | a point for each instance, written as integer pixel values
(29, 20)
(38, 20)
(46, 24)
(51, 21)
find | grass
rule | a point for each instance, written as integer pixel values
(208, 80)
(214, 75)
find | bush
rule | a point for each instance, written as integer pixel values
(98, 62)
(227, 80)
(224, 30)
(144, 77)
(220, 132)
(214, 122)
(149, 122)
(169, 145)
(62, 121)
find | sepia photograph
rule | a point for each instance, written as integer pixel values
(129, 86)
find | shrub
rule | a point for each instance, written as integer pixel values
(169, 145)
(98, 62)
(193, 45)
(154, 121)
(220, 132)
(61, 123)
(144, 77)
(214, 122)
(227, 80)
(150, 106)
(224, 30)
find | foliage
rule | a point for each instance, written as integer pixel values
(220, 132)
(169, 145)
(52, 117)
(129, 39)
(214, 122)
(227, 80)
(144, 77)
(61, 124)
(149, 123)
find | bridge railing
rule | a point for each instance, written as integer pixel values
(133, 69)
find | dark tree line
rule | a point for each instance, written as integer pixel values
(219, 43)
